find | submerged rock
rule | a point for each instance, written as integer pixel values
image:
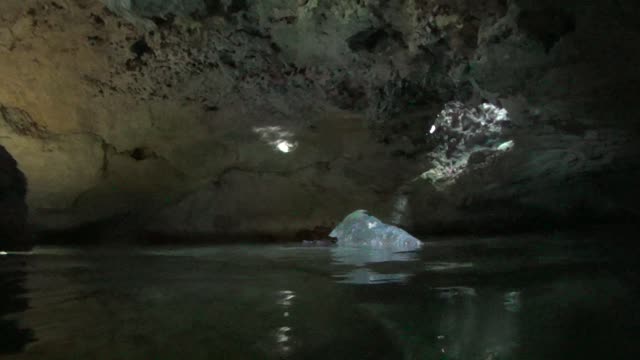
(363, 230)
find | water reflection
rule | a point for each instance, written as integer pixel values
(512, 301)
(455, 322)
(367, 276)
(444, 266)
(283, 337)
(455, 291)
(474, 325)
(462, 302)
(364, 258)
(344, 255)
(13, 336)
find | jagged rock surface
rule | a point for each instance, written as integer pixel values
(239, 117)
(362, 230)
(466, 138)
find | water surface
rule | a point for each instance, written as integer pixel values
(526, 297)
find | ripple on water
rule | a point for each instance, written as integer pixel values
(364, 276)
(444, 266)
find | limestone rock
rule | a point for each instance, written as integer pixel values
(468, 137)
(198, 115)
(360, 229)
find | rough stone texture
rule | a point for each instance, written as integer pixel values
(467, 138)
(13, 209)
(362, 230)
(174, 111)
(574, 130)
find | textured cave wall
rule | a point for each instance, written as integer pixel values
(565, 72)
(109, 118)
(13, 209)
(172, 111)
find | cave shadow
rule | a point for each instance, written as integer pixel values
(13, 337)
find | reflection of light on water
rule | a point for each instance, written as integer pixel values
(512, 301)
(346, 255)
(282, 334)
(454, 291)
(361, 257)
(283, 337)
(443, 266)
(366, 276)
(287, 296)
(468, 314)
(39, 250)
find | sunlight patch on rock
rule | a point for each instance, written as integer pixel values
(276, 136)
(465, 134)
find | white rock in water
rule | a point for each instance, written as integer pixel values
(363, 230)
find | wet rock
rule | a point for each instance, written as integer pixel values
(360, 229)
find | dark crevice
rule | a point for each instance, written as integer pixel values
(227, 59)
(165, 21)
(546, 26)
(255, 33)
(22, 123)
(142, 153)
(140, 48)
(222, 8)
(319, 165)
(373, 39)
(97, 20)
(214, 7)
(237, 6)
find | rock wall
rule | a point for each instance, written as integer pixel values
(238, 117)
(13, 209)
(564, 72)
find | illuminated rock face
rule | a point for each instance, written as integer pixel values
(239, 117)
(13, 209)
(467, 138)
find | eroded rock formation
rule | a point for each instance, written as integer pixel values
(238, 117)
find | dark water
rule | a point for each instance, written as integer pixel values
(528, 297)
